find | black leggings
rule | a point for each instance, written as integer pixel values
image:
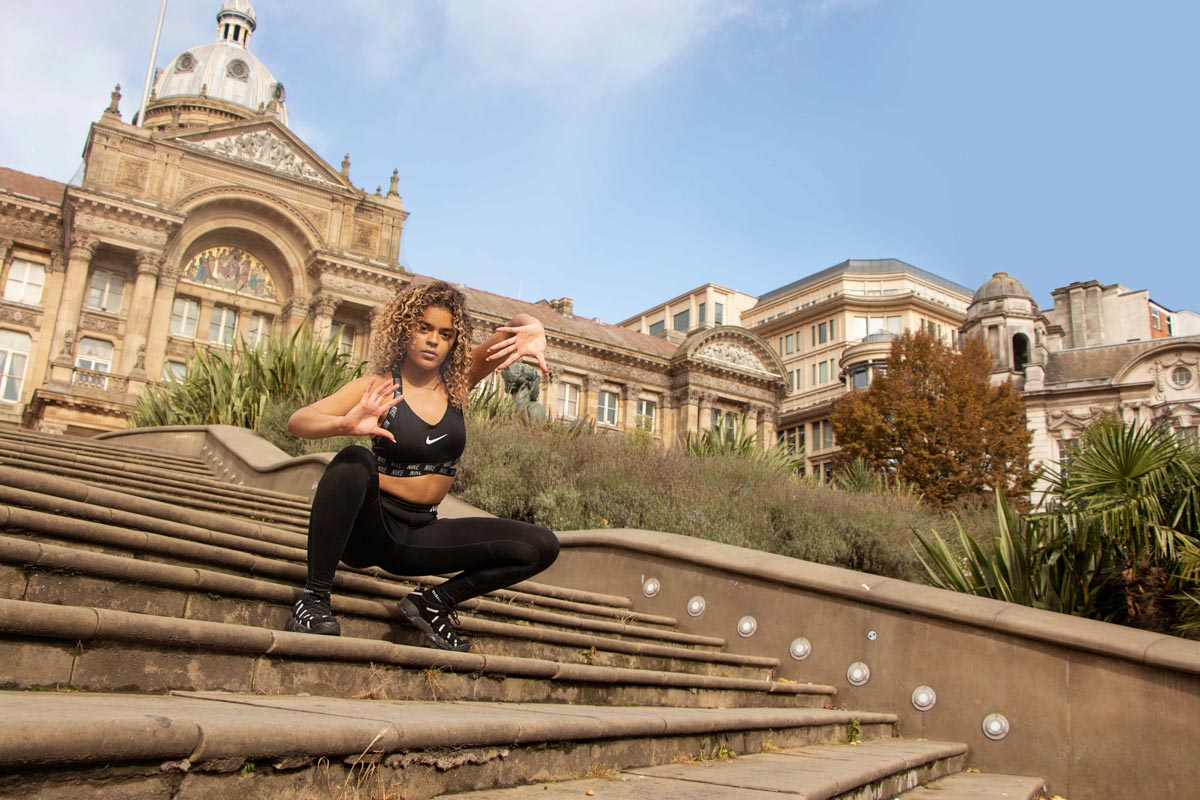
(353, 522)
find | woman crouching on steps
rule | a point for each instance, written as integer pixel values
(378, 507)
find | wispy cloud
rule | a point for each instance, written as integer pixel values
(598, 44)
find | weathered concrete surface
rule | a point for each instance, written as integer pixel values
(881, 769)
(75, 728)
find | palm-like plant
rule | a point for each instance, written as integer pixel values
(731, 436)
(235, 386)
(1116, 536)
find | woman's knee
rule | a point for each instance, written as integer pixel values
(546, 543)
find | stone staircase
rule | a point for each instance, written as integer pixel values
(142, 601)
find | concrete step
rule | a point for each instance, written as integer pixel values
(67, 499)
(202, 744)
(286, 570)
(168, 487)
(45, 646)
(122, 451)
(35, 456)
(878, 769)
(980, 786)
(48, 573)
(872, 770)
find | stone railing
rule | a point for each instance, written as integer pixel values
(97, 381)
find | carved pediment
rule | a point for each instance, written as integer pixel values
(731, 353)
(266, 146)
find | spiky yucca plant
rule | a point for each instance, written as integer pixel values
(236, 385)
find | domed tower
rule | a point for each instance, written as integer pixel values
(219, 82)
(1004, 314)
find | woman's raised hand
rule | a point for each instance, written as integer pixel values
(364, 418)
(525, 340)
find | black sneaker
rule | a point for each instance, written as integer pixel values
(312, 614)
(438, 622)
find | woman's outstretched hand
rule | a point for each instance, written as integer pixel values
(524, 340)
(363, 419)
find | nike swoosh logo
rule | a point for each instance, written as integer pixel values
(438, 439)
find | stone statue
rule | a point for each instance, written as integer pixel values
(346, 166)
(68, 348)
(141, 358)
(114, 106)
(393, 189)
(520, 378)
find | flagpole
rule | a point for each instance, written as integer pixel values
(150, 67)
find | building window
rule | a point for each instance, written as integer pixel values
(1181, 377)
(14, 353)
(789, 344)
(568, 400)
(832, 329)
(606, 408)
(174, 371)
(719, 315)
(858, 377)
(792, 439)
(682, 321)
(343, 335)
(791, 380)
(822, 333)
(25, 281)
(822, 434)
(1155, 319)
(94, 354)
(658, 328)
(223, 326)
(703, 314)
(646, 415)
(824, 371)
(184, 314)
(260, 332)
(106, 292)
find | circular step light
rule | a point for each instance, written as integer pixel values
(858, 673)
(995, 727)
(695, 606)
(924, 698)
(800, 648)
(651, 587)
(747, 626)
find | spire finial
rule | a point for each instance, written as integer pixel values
(346, 167)
(393, 189)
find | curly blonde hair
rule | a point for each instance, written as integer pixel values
(397, 321)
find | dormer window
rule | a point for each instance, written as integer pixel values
(185, 63)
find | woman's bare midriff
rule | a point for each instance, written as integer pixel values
(421, 490)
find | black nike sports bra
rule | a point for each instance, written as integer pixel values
(420, 448)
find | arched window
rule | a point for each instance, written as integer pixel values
(1020, 351)
(14, 352)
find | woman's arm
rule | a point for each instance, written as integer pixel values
(522, 336)
(353, 410)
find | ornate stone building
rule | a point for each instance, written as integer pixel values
(213, 222)
(1099, 349)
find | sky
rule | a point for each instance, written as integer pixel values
(623, 152)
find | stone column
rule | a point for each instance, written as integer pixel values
(765, 419)
(376, 319)
(705, 418)
(686, 417)
(587, 397)
(629, 398)
(149, 265)
(324, 306)
(160, 318)
(83, 247)
(294, 312)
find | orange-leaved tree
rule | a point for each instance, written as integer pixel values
(935, 421)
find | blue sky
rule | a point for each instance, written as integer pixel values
(621, 152)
